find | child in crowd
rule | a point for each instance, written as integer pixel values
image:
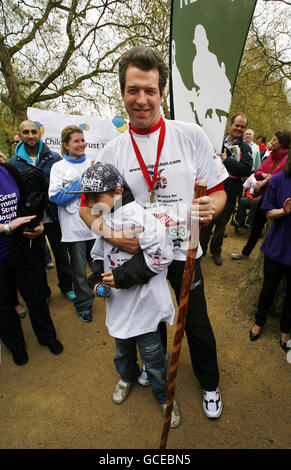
(140, 297)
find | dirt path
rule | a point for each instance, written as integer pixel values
(64, 402)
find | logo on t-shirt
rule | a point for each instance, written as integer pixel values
(177, 229)
(157, 256)
(8, 207)
(161, 182)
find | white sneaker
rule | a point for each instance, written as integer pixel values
(120, 392)
(239, 256)
(50, 265)
(212, 404)
(143, 378)
(176, 415)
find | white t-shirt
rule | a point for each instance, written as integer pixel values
(187, 156)
(250, 183)
(139, 309)
(64, 174)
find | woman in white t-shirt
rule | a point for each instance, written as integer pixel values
(66, 176)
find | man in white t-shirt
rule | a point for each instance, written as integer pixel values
(161, 161)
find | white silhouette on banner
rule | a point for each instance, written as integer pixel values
(208, 102)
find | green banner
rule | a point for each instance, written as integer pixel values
(207, 42)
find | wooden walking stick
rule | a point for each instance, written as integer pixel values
(188, 278)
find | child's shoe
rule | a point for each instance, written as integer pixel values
(143, 378)
(120, 392)
(176, 415)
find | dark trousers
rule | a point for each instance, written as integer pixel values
(59, 249)
(220, 224)
(200, 337)
(244, 204)
(256, 231)
(273, 273)
(29, 282)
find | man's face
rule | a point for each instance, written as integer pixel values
(29, 134)
(142, 97)
(16, 140)
(237, 128)
(249, 135)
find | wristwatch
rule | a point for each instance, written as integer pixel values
(7, 229)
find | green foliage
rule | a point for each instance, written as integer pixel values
(63, 55)
(8, 128)
(261, 88)
(50, 48)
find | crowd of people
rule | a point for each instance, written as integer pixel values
(111, 217)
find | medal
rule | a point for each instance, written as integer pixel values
(150, 182)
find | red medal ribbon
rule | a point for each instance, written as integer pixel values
(161, 124)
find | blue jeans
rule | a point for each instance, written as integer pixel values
(59, 249)
(78, 263)
(153, 357)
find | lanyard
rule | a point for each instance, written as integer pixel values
(150, 182)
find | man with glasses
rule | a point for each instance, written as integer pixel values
(237, 158)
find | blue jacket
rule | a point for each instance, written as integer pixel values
(46, 159)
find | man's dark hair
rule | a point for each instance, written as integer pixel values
(284, 138)
(243, 115)
(144, 58)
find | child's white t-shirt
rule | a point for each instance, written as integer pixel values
(139, 309)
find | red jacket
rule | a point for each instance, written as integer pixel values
(270, 162)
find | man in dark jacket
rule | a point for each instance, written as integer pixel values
(237, 158)
(30, 154)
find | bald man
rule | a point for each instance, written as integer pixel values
(249, 139)
(31, 152)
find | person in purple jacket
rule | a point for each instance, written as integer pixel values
(277, 261)
(21, 226)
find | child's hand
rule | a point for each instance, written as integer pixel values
(108, 279)
(102, 290)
